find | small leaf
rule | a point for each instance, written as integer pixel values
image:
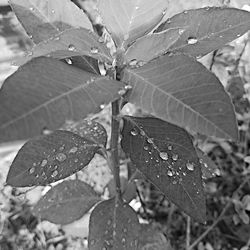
(182, 91)
(44, 19)
(90, 130)
(66, 202)
(151, 46)
(45, 93)
(129, 20)
(206, 29)
(113, 225)
(49, 158)
(164, 153)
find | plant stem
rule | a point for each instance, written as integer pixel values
(188, 228)
(114, 146)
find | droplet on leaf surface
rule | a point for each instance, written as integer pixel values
(190, 166)
(134, 132)
(94, 50)
(164, 156)
(61, 157)
(71, 47)
(192, 40)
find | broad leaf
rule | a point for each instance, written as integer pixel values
(152, 46)
(49, 158)
(207, 29)
(72, 42)
(180, 90)
(89, 129)
(44, 19)
(130, 19)
(113, 225)
(45, 93)
(66, 202)
(164, 153)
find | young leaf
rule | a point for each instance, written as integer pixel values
(49, 158)
(66, 202)
(151, 46)
(207, 29)
(72, 42)
(113, 225)
(128, 20)
(45, 93)
(164, 153)
(180, 90)
(44, 19)
(90, 130)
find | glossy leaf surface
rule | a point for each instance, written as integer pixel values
(49, 158)
(130, 19)
(164, 153)
(207, 29)
(113, 226)
(180, 90)
(45, 93)
(152, 46)
(66, 202)
(44, 19)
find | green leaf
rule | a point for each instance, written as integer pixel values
(113, 225)
(49, 158)
(129, 20)
(180, 90)
(72, 42)
(45, 93)
(44, 19)
(151, 46)
(207, 29)
(164, 153)
(90, 130)
(66, 202)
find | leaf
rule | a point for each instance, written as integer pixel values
(72, 42)
(44, 19)
(164, 153)
(49, 158)
(129, 20)
(113, 225)
(182, 91)
(45, 93)
(206, 29)
(66, 202)
(90, 130)
(151, 46)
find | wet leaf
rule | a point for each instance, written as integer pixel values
(151, 46)
(129, 20)
(206, 29)
(113, 225)
(66, 202)
(90, 130)
(45, 93)
(164, 153)
(182, 91)
(49, 158)
(44, 19)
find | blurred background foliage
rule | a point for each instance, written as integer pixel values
(227, 184)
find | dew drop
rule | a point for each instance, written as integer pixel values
(94, 50)
(61, 157)
(184, 173)
(32, 9)
(53, 11)
(73, 150)
(201, 161)
(54, 174)
(164, 156)
(150, 141)
(32, 170)
(71, 47)
(122, 92)
(170, 147)
(192, 40)
(136, 7)
(181, 31)
(169, 21)
(125, 230)
(101, 39)
(44, 162)
(123, 241)
(57, 38)
(238, 35)
(190, 166)
(175, 157)
(134, 132)
(133, 62)
(68, 61)
(102, 106)
(170, 173)
(109, 222)
(128, 87)
(29, 53)
(145, 147)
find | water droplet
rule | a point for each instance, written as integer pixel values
(170, 147)
(29, 53)
(140, 63)
(71, 47)
(190, 166)
(181, 31)
(157, 176)
(125, 230)
(164, 156)
(169, 21)
(53, 11)
(133, 62)
(76, 160)
(101, 39)
(201, 161)
(170, 173)
(57, 38)
(136, 7)
(238, 35)
(192, 40)
(123, 241)
(184, 173)
(44, 162)
(54, 174)
(32, 9)
(102, 106)
(68, 61)
(73, 150)
(122, 92)
(61, 157)
(94, 50)
(150, 141)
(134, 132)
(185, 12)
(175, 157)
(32, 170)
(109, 222)
(128, 87)
(145, 147)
